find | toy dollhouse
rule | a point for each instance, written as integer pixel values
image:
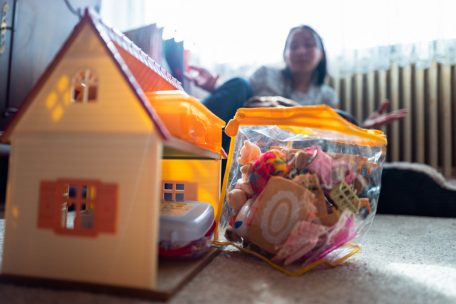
(95, 149)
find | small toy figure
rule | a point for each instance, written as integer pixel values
(249, 153)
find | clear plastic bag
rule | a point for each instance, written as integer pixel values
(301, 185)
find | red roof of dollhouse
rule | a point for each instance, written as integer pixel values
(139, 70)
(138, 62)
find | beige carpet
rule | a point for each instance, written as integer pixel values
(403, 260)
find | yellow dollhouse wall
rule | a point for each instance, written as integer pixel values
(204, 172)
(126, 258)
(58, 139)
(115, 109)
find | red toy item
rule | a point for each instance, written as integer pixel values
(271, 163)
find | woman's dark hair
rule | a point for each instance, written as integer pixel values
(320, 72)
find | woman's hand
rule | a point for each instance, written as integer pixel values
(380, 118)
(202, 78)
(270, 102)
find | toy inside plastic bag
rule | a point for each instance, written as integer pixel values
(301, 185)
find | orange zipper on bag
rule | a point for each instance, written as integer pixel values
(320, 117)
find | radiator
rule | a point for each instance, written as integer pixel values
(428, 134)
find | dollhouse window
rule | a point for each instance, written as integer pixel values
(168, 196)
(178, 191)
(78, 207)
(84, 87)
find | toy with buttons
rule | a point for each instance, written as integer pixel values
(296, 205)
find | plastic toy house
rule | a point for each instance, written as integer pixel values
(94, 151)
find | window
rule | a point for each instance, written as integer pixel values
(168, 196)
(174, 191)
(78, 207)
(180, 197)
(84, 87)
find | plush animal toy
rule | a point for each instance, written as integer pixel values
(236, 199)
(249, 153)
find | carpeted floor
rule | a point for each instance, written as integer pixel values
(404, 259)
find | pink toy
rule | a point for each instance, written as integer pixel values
(322, 165)
(301, 240)
(249, 153)
(341, 233)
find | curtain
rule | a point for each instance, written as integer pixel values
(234, 37)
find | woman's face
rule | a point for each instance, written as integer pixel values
(302, 52)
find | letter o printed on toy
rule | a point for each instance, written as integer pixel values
(279, 216)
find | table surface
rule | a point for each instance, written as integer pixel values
(404, 259)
